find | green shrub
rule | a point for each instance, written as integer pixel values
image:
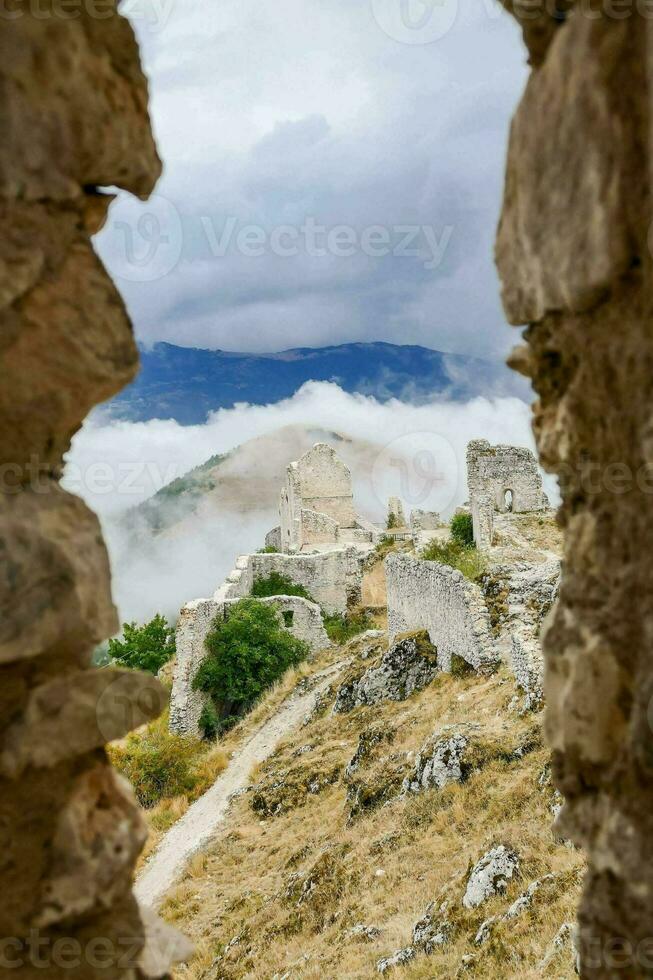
(146, 647)
(462, 528)
(245, 655)
(277, 584)
(157, 764)
(392, 522)
(268, 550)
(341, 628)
(466, 559)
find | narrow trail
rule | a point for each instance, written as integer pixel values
(199, 824)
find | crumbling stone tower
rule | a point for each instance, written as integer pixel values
(73, 103)
(501, 479)
(317, 499)
(574, 254)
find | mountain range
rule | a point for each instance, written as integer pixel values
(186, 383)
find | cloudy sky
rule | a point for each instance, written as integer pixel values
(333, 172)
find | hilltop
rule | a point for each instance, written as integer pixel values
(388, 805)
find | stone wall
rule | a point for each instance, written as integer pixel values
(334, 578)
(574, 256)
(316, 499)
(301, 618)
(439, 599)
(522, 595)
(74, 118)
(501, 479)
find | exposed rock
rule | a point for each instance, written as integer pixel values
(539, 24)
(433, 930)
(528, 592)
(74, 119)
(518, 907)
(490, 876)
(408, 666)
(440, 760)
(566, 937)
(81, 711)
(400, 958)
(99, 835)
(561, 242)
(574, 254)
(51, 564)
(163, 945)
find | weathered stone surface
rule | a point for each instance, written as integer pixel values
(574, 256)
(441, 760)
(163, 945)
(574, 185)
(529, 592)
(90, 130)
(98, 837)
(317, 500)
(54, 575)
(518, 907)
(433, 930)
(501, 479)
(400, 958)
(78, 713)
(437, 598)
(539, 24)
(407, 667)
(73, 114)
(490, 876)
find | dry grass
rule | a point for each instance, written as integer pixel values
(278, 895)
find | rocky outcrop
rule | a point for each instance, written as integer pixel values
(490, 876)
(441, 760)
(74, 119)
(574, 255)
(407, 667)
(518, 907)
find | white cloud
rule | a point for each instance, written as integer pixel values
(271, 113)
(416, 452)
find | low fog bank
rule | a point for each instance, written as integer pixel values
(415, 452)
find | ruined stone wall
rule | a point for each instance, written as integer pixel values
(317, 484)
(73, 103)
(334, 578)
(299, 617)
(574, 255)
(499, 470)
(439, 599)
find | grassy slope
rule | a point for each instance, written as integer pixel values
(385, 867)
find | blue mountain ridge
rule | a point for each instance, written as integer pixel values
(186, 383)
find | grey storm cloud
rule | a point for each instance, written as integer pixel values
(324, 181)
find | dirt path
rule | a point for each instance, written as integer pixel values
(199, 824)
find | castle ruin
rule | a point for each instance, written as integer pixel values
(316, 505)
(501, 479)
